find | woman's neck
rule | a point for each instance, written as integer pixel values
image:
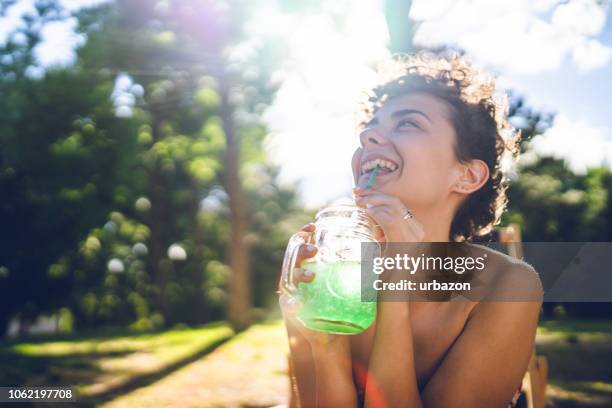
(436, 224)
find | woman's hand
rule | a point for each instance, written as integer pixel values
(322, 368)
(395, 374)
(388, 211)
(290, 305)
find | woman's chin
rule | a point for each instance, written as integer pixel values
(387, 187)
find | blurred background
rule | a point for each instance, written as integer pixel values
(155, 157)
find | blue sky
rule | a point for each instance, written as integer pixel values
(557, 54)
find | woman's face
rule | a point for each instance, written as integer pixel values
(413, 137)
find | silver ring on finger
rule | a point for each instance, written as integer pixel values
(407, 214)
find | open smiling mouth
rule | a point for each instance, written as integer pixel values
(386, 166)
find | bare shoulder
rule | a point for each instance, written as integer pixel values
(506, 278)
(511, 302)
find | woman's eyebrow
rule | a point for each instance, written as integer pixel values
(404, 112)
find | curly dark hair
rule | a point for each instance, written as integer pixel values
(479, 117)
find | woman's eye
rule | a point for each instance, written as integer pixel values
(406, 123)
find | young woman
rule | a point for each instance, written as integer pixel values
(441, 130)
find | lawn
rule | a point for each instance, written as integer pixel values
(176, 367)
(250, 370)
(579, 355)
(103, 365)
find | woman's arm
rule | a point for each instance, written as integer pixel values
(303, 386)
(488, 360)
(322, 373)
(483, 368)
(391, 378)
(487, 363)
(334, 376)
(321, 362)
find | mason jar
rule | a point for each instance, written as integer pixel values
(331, 302)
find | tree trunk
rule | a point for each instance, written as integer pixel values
(239, 299)
(401, 28)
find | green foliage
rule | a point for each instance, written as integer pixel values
(54, 160)
(551, 203)
(554, 204)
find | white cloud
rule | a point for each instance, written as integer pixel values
(590, 55)
(583, 17)
(517, 36)
(581, 144)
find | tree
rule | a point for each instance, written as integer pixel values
(138, 148)
(199, 57)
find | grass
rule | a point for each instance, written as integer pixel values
(143, 369)
(579, 355)
(250, 370)
(98, 367)
(575, 326)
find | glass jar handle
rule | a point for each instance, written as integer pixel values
(289, 260)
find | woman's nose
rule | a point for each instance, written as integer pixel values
(370, 136)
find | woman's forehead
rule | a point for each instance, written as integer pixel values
(430, 105)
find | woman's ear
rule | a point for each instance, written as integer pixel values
(474, 175)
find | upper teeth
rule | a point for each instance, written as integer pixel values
(370, 164)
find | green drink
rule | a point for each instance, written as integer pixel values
(332, 301)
